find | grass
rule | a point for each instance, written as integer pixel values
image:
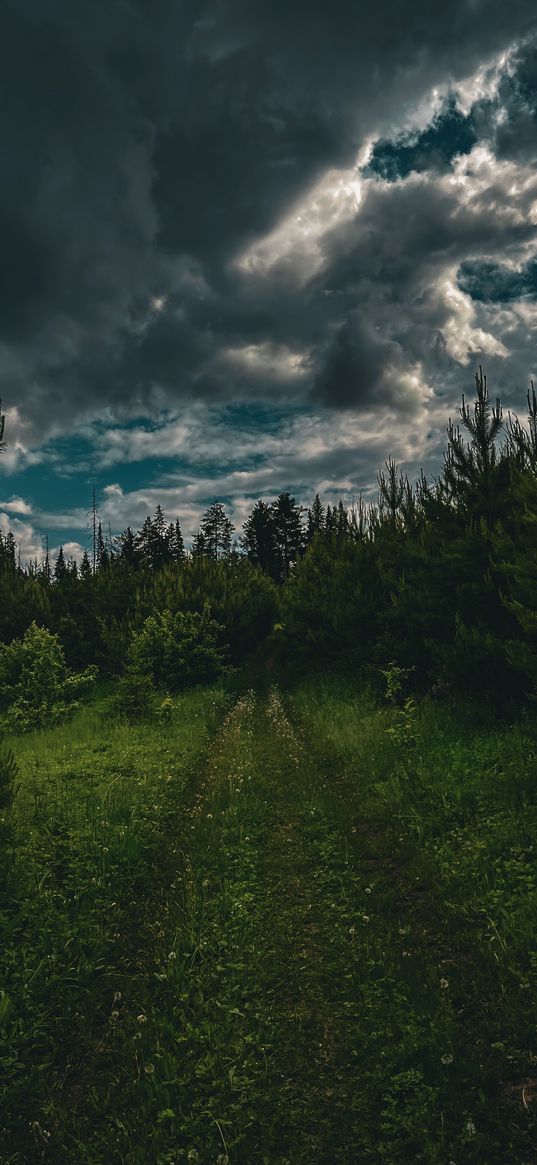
(293, 931)
(94, 803)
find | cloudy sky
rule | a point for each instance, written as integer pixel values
(254, 245)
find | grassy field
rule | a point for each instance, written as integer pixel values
(276, 930)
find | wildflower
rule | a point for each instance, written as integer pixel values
(447, 1058)
(149, 1069)
(444, 983)
(352, 930)
(172, 955)
(141, 1018)
(365, 918)
(470, 1127)
(368, 889)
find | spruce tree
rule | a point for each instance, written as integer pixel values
(60, 567)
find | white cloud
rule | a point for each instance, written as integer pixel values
(16, 506)
(70, 550)
(294, 242)
(462, 338)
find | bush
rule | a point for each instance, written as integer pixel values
(36, 687)
(178, 650)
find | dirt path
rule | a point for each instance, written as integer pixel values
(282, 1017)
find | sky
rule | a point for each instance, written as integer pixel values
(251, 246)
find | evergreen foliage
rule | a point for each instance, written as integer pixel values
(215, 533)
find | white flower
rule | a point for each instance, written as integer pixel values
(444, 983)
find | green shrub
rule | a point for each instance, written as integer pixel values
(36, 687)
(178, 650)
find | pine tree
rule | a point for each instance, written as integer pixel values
(342, 520)
(128, 552)
(316, 518)
(330, 522)
(522, 442)
(198, 545)
(288, 531)
(178, 546)
(85, 567)
(216, 529)
(9, 556)
(258, 539)
(391, 493)
(103, 556)
(60, 568)
(144, 543)
(47, 570)
(159, 544)
(475, 475)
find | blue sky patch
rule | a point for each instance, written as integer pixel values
(450, 134)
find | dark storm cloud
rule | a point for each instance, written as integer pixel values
(397, 259)
(145, 145)
(354, 366)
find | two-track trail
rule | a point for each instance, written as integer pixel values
(276, 1017)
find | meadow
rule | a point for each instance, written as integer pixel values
(274, 927)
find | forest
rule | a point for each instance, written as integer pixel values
(268, 811)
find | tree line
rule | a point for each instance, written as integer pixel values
(438, 577)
